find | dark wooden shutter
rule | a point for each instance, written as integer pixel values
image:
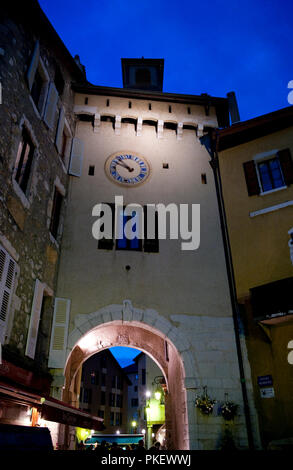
(108, 243)
(251, 178)
(286, 165)
(150, 245)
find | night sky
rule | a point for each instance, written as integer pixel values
(209, 47)
(124, 355)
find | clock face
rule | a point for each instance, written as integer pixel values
(127, 169)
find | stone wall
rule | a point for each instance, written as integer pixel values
(25, 218)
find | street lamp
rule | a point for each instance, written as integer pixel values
(158, 395)
(133, 425)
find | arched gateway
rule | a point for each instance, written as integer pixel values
(123, 325)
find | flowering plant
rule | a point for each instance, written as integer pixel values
(229, 410)
(205, 403)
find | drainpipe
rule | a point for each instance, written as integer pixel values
(211, 144)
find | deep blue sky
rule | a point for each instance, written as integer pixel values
(209, 47)
(124, 355)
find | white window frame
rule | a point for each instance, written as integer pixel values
(44, 291)
(262, 157)
(24, 197)
(46, 80)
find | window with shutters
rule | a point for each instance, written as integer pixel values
(38, 79)
(56, 211)
(269, 173)
(63, 138)
(7, 278)
(40, 87)
(24, 159)
(150, 243)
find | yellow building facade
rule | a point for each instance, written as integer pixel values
(255, 162)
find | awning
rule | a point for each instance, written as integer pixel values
(50, 408)
(60, 412)
(19, 395)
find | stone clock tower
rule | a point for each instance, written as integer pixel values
(141, 144)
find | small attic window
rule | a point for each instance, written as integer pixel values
(203, 178)
(142, 76)
(108, 102)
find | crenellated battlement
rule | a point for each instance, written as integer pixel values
(124, 115)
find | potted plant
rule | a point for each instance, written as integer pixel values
(228, 409)
(204, 402)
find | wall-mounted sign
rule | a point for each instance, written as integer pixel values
(264, 380)
(267, 392)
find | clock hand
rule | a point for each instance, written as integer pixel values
(125, 166)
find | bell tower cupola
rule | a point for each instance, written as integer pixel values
(143, 74)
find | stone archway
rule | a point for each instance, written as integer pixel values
(123, 325)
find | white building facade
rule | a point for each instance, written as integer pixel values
(171, 303)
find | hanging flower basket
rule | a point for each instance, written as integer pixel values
(228, 410)
(205, 403)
